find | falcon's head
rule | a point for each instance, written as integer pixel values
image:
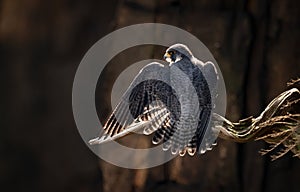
(177, 52)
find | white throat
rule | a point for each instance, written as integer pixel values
(169, 60)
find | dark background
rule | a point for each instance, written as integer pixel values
(256, 44)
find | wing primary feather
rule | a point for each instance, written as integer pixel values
(118, 122)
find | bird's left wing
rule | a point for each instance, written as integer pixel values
(146, 105)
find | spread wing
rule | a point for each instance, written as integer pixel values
(148, 104)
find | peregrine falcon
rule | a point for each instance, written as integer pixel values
(172, 102)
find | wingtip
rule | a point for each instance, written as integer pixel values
(94, 141)
(99, 140)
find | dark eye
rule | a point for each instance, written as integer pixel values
(171, 52)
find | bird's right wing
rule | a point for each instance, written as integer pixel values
(146, 104)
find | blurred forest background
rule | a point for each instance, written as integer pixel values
(256, 44)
